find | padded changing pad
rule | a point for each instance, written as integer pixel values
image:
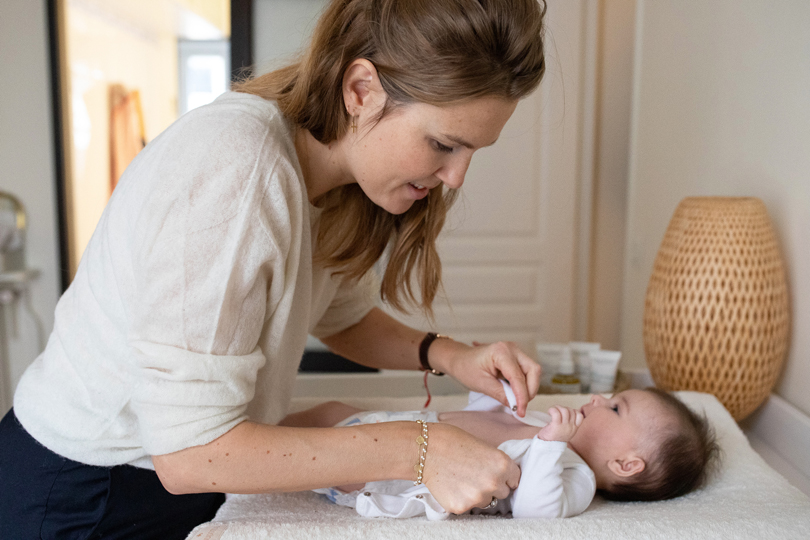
(745, 499)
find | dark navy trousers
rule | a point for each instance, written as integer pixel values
(44, 495)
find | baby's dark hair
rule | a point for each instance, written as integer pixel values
(683, 459)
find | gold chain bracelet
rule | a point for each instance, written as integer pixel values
(422, 441)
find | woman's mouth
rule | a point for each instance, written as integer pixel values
(418, 191)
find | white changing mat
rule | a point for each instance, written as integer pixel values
(746, 499)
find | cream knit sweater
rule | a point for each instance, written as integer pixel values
(190, 309)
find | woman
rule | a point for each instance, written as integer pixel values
(245, 226)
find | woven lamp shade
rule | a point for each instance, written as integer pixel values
(716, 314)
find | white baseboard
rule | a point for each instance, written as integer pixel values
(779, 464)
(780, 433)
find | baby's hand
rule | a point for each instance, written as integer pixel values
(564, 424)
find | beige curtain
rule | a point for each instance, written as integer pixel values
(127, 136)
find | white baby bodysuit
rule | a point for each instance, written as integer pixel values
(554, 482)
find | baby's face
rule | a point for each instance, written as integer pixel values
(615, 427)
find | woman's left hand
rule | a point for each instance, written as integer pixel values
(482, 366)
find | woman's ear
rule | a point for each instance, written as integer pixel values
(625, 468)
(362, 91)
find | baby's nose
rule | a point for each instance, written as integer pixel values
(598, 400)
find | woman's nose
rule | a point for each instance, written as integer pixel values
(452, 174)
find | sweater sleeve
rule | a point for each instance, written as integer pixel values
(186, 399)
(209, 259)
(554, 482)
(353, 300)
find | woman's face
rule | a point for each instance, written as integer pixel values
(417, 147)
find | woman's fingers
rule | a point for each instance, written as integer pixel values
(533, 373)
(513, 479)
(497, 496)
(490, 386)
(510, 482)
(462, 472)
(481, 367)
(507, 360)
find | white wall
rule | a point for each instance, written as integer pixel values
(280, 28)
(722, 107)
(613, 102)
(26, 153)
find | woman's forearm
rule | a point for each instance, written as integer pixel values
(460, 470)
(381, 341)
(257, 458)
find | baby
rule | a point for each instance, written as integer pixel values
(638, 445)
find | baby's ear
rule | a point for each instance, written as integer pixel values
(625, 468)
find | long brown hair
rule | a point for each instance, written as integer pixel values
(427, 51)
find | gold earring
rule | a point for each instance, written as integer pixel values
(354, 124)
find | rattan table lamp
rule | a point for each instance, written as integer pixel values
(716, 314)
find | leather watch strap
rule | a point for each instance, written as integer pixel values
(423, 352)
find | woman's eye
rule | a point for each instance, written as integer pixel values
(442, 148)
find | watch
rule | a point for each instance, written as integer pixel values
(423, 351)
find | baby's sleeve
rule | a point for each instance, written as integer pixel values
(554, 482)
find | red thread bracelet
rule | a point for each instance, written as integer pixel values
(423, 360)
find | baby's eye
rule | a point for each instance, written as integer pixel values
(615, 409)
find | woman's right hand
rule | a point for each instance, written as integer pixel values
(462, 472)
